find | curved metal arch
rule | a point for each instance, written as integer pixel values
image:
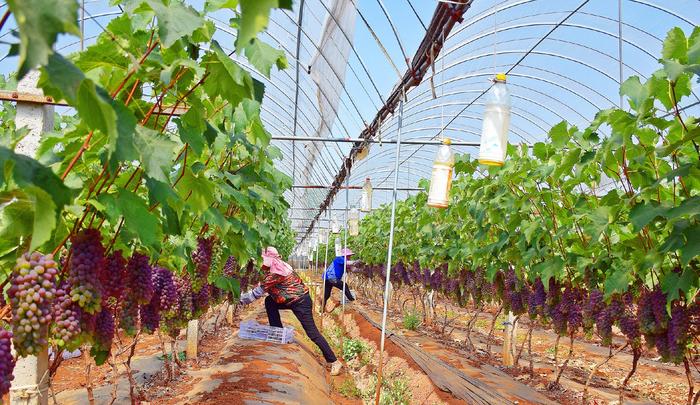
(530, 77)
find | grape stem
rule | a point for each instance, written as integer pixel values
(636, 354)
(595, 369)
(566, 362)
(689, 376)
(5, 17)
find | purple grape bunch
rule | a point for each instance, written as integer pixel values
(537, 299)
(678, 335)
(139, 279)
(184, 294)
(202, 259)
(104, 329)
(113, 278)
(65, 329)
(200, 300)
(32, 291)
(7, 361)
(165, 291)
(129, 316)
(86, 263)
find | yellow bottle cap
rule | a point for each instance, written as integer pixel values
(501, 77)
(447, 141)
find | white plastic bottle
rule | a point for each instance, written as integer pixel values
(441, 179)
(494, 132)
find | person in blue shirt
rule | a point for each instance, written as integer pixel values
(334, 276)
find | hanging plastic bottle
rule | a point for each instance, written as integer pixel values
(335, 226)
(323, 236)
(366, 200)
(494, 132)
(354, 222)
(338, 247)
(441, 180)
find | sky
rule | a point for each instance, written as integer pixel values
(569, 76)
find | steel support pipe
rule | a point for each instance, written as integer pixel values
(389, 142)
(358, 188)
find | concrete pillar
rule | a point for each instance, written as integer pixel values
(37, 118)
(30, 386)
(192, 339)
(509, 342)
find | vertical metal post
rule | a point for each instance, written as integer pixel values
(300, 22)
(82, 25)
(325, 266)
(389, 253)
(619, 44)
(345, 235)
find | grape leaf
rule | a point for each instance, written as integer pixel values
(40, 22)
(694, 47)
(44, 216)
(691, 249)
(255, 15)
(156, 152)
(644, 212)
(675, 45)
(175, 20)
(138, 221)
(226, 78)
(263, 56)
(617, 281)
(27, 172)
(213, 5)
(228, 284)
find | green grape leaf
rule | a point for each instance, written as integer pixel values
(213, 5)
(644, 212)
(691, 249)
(262, 56)
(44, 216)
(40, 22)
(27, 172)
(617, 282)
(139, 222)
(254, 17)
(201, 190)
(156, 152)
(559, 134)
(226, 78)
(228, 284)
(674, 284)
(675, 46)
(694, 47)
(175, 20)
(637, 93)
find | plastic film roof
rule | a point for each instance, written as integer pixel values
(565, 61)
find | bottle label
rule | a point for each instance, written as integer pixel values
(440, 184)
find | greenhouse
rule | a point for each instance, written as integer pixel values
(349, 202)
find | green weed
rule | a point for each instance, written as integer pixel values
(411, 321)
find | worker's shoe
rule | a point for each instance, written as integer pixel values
(336, 367)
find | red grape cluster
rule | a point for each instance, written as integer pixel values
(200, 300)
(32, 291)
(104, 329)
(231, 267)
(537, 299)
(139, 278)
(114, 277)
(150, 317)
(129, 316)
(202, 257)
(165, 291)
(184, 294)
(87, 261)
(65, 328)
(7, 361)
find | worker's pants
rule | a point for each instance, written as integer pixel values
(339, 285)
(303, 310)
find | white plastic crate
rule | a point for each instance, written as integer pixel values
(250, 329)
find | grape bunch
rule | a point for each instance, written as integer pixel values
(165, 291)
(87, 261)
(202, 258)
(593, 306)
(65, 328)
(231, 267)
(139, 279)
(104, 329)
(150, 317)
(7, 361)
(32, 291)
(129, 316)
(184, 294)
(113, 277)
(678, 336)
(537, 299)
(200, 300)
